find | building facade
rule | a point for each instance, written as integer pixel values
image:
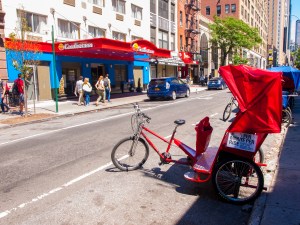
(3, 69)
(297, 34)
(252, 12)
(74, 20)
(278, 32)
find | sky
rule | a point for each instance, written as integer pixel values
(296, 13)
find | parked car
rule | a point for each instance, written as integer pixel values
(167, 87)
(216, 83)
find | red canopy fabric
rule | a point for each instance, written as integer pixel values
(259, 95)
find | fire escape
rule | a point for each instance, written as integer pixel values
(192, 9)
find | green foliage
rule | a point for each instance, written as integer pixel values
(296, 58)
(230, 34)
(237, 60)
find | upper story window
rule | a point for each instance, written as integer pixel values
(136, 12)
(119, 6)
(172, 42)
(36, 23)
(97, 2)
(163, 40)
(153, 6)
(68, 29)
(180, 18)
(233, 8)
(96, 32)
(218, 9)
(227, 8)
(118, 36)
(153, 35)
(172, 12)
(207, 10)
(163, 9)
(135, 38)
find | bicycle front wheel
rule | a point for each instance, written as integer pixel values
(130, 154)
(238, 180)
(227, 111)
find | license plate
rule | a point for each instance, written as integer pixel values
(156, 89)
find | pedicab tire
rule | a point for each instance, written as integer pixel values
(128, 166)
(226, 167)
(286, 117)
(227, 112)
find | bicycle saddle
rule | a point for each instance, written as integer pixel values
(179, 122)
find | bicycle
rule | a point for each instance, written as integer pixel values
(228, 108)
(243, 176)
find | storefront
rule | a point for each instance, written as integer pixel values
(191, 66)
(123, 61)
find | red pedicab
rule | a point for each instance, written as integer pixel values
(235, 175)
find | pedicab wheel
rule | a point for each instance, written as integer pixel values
(238, 180)
(286, 117)
(130, 154)
(227, 112)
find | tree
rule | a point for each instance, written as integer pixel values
(296, 58)
(24, 53)
(232, 34)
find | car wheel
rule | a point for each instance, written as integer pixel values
(151, 98)
(187, 93)
(173, 95)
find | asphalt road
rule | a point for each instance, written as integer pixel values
(60, 172)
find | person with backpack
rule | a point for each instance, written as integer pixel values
(2, 94)
(107, 87)
(18, 89)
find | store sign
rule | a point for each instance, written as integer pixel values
(62, 46)
(242, 141)
(137, 48)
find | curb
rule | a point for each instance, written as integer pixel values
(260, 203)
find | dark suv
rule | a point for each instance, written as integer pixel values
(167, 87)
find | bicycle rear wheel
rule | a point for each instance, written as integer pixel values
(238, 180)
(286, 117)
(130, 154)
(227, 111)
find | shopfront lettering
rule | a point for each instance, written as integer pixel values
(75, 46)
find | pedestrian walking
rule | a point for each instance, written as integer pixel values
(100, 90)
(18, 90)
(79, 91)
(3, 87)
(188, 79)
(107, 86)
(87, 88)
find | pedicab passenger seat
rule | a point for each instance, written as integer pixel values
(203, 135)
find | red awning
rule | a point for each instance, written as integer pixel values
(187, 58)
(103, 48)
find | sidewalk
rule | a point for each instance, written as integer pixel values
(47, 109)
(280, 205)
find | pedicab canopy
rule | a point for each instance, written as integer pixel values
(259, 95)
(289, 73)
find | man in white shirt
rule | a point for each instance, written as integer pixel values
(78, 90)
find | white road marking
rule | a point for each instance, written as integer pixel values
(42, 196)
(212, 115)
(65, 185)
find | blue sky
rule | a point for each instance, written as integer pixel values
(296, 12)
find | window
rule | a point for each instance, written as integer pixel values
(96, 32)
(207, 10)
(36, 23)
(163, 41)
(153, 6)
(135, 38)
(233, 8)
(242, 10)
(218, 10)
(163, 9)
(180, 43)
(172, 12)
(68, 29)
(172, 42)
(136, 12)
(98, 2)
(180, 18)
(153, 35)
(227, 8)
(119, 6)
(118, 36)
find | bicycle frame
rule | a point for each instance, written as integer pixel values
(169, 142)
